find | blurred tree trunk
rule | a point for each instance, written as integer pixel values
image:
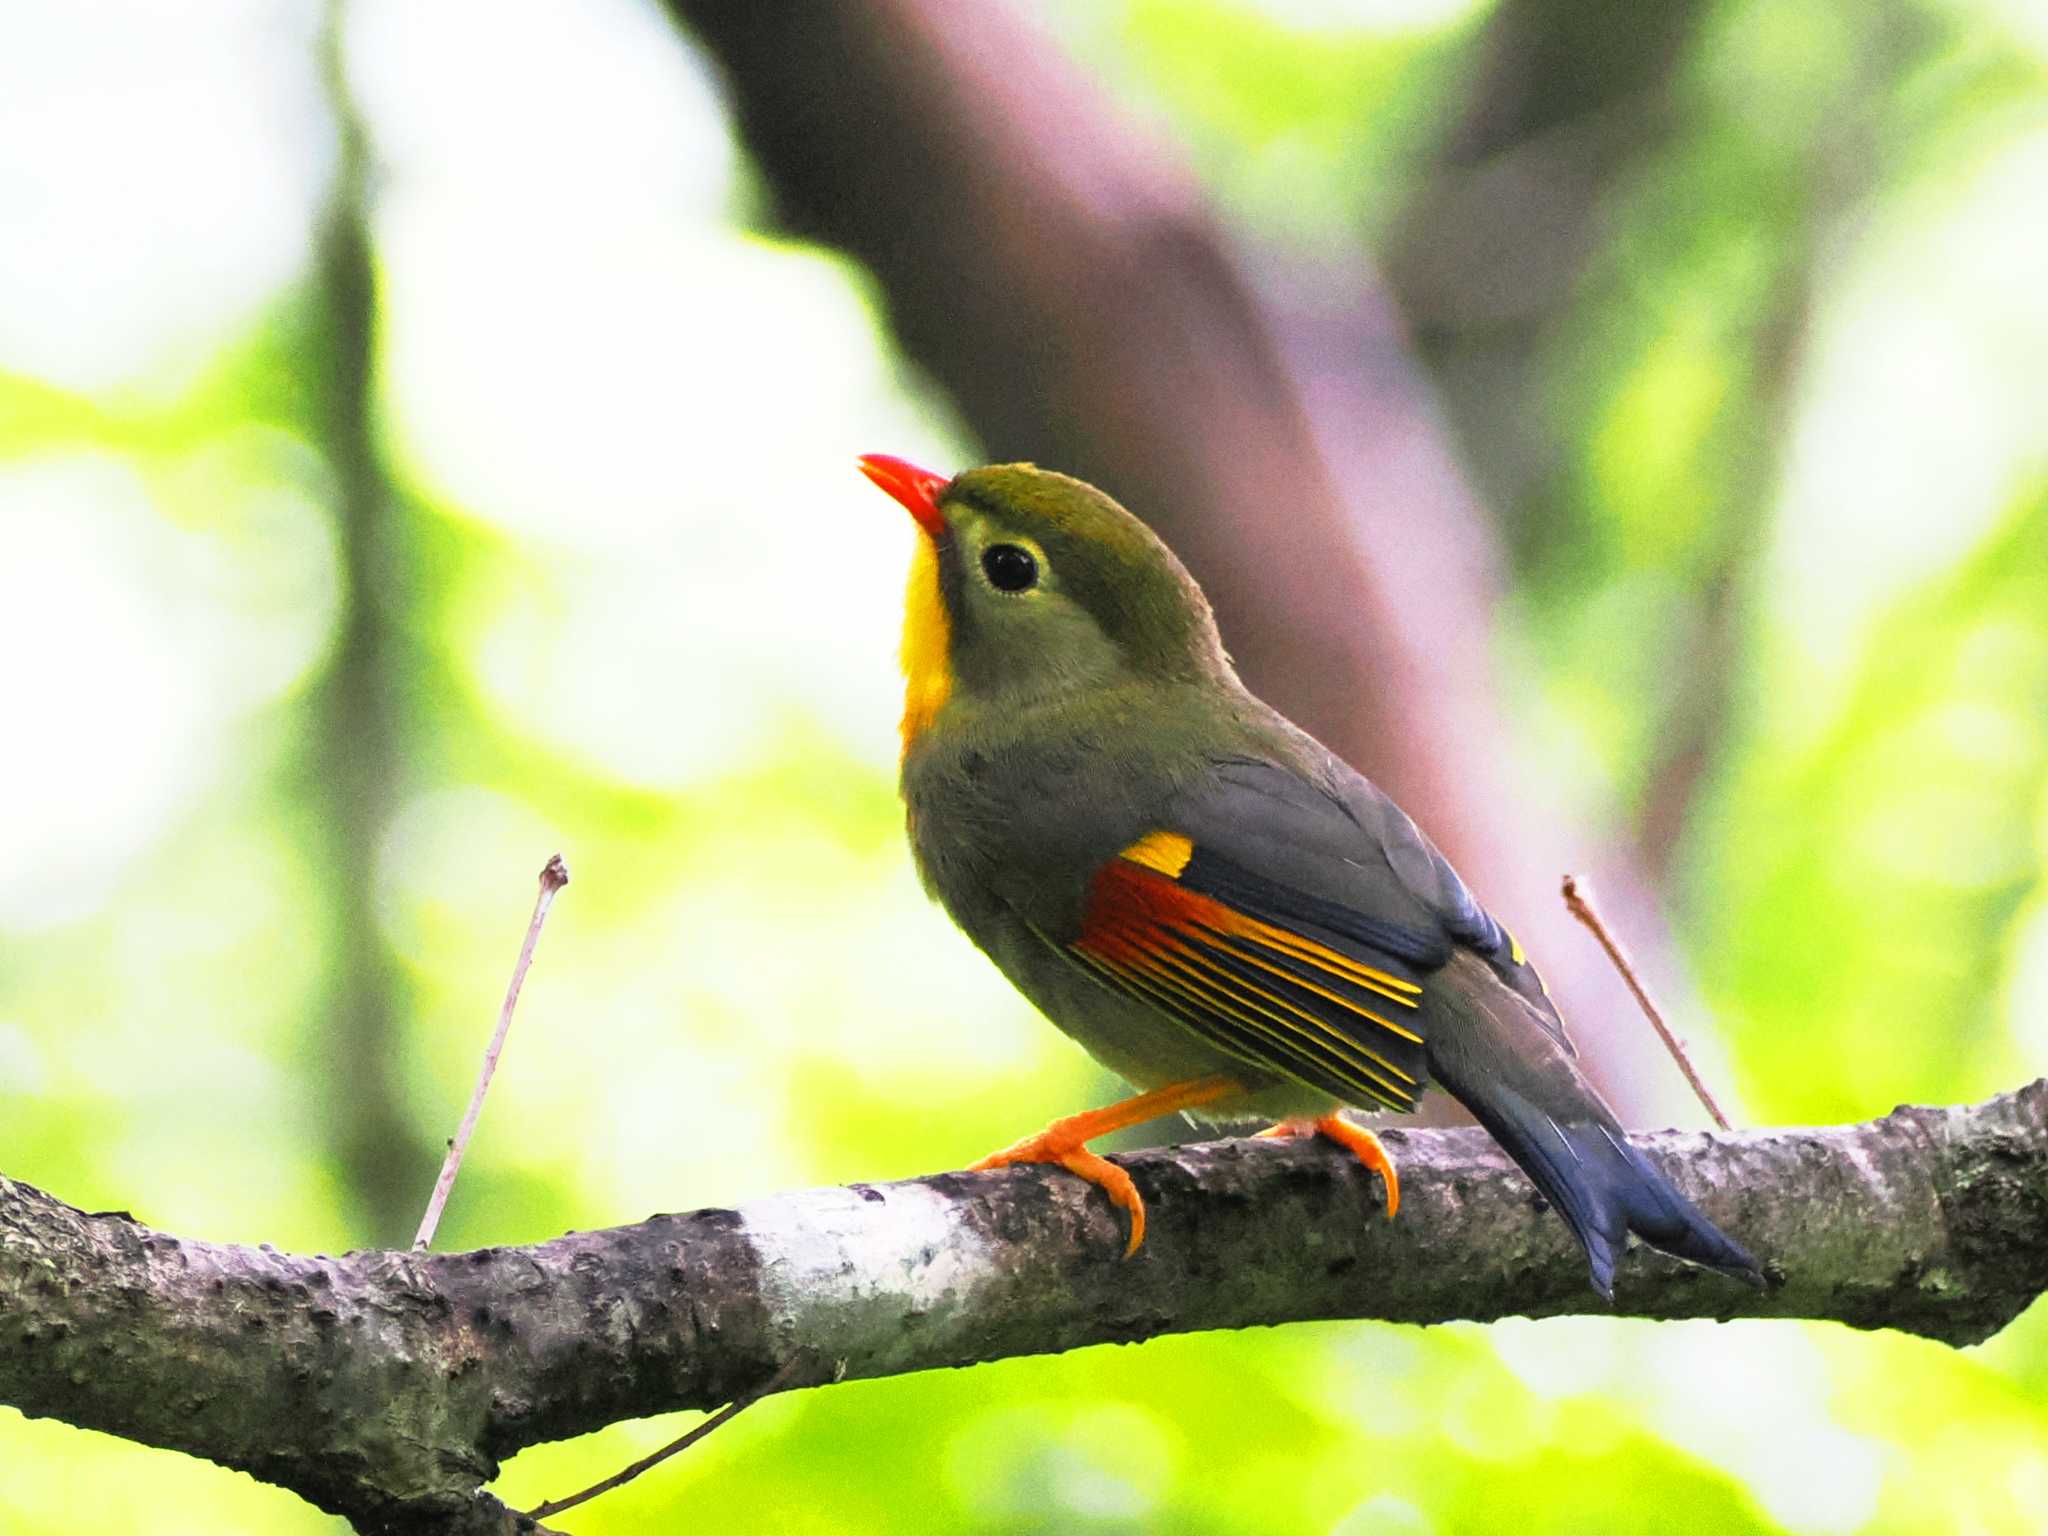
(1064, 280)
(352, 758)
(1564, 101)
(1507, 248)
(1499, 253)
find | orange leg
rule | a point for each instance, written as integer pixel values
(1356, 1140)
(1065, 1141)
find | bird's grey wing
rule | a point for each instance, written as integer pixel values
(1333, 848)
(1291, 926)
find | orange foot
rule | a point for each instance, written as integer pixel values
(1065, 1141)
(1355, 1139)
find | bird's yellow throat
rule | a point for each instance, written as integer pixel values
(927, 638)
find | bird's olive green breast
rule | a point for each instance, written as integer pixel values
(1012, 811)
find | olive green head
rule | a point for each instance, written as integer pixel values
(1030, 584)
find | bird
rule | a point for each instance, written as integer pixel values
(1218, 908)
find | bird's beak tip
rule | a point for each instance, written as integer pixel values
(916, 489)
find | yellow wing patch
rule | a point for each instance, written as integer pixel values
(1167, 852)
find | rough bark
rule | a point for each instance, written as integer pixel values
(386, 1386)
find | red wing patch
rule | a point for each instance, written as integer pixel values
(1265, 991)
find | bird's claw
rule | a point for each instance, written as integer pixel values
(1355, 1139)
(1078, 1160)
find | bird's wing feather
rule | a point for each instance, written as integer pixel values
(1296, 926)
(1344, 842)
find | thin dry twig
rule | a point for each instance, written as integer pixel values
(553, 876)
(681, 1443)
(1578, 901)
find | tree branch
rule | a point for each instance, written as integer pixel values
(385, 1386)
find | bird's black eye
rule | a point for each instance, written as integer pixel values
(1008, 568)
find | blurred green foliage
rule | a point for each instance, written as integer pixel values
(646, 616)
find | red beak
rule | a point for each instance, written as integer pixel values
(918, 489)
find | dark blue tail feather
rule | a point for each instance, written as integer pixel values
(1605, 1188)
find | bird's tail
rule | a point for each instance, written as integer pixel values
(1604, 1188)
(1525, 1087)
